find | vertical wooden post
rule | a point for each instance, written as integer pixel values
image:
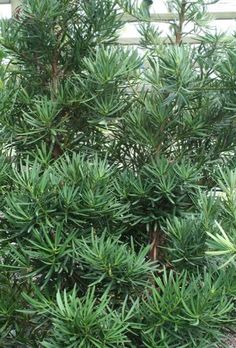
(14, 5)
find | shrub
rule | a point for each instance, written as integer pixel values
(111, 232)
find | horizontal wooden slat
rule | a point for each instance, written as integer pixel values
(160, 6)
(136, 40)
(166, 17)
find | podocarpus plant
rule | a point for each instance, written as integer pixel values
(111, 235)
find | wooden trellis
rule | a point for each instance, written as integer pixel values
(223, 15)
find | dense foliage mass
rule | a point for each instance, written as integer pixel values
(117, 179)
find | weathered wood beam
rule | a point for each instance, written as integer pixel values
(14, 5)
(136, 40)
(167, 16)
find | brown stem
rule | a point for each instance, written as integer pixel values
(57, 149)
(178, 37)
(179, 31)
(17, 12)
(55, 76)
(155, 240)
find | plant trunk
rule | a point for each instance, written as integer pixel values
(155, 240)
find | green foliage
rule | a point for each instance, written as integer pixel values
(117, 178)
(73, 193)
(186, 242)
(220, 244)
(83, 322)
(189, 308)
(114, 266)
